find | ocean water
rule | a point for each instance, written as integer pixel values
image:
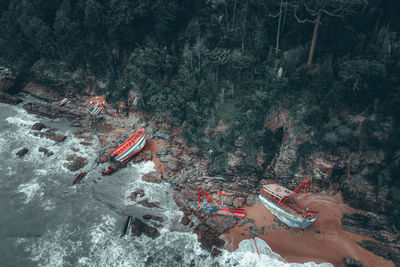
(45, 221)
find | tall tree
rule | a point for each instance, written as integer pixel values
(313, 10)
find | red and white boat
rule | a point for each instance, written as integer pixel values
(128, 149)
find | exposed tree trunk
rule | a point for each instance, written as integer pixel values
(313, 42)
(279, 29)
(244, 27)
(278, 35)
(233, 16)
(226, 16)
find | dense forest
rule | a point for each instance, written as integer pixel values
(228, 62)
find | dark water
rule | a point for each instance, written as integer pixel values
(44, 221)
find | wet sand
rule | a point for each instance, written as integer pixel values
(323, 241)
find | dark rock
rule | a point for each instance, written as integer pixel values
(7, 81)
(51, 111)
(41, 110)
(76, 162)
(22, 152)
(136, 193)
(105, 157)
(139, 228)
(9, 99)
(215, 252)
(50, 135)
(45, 151)
(38, 126)
(348, 262)
(153, 217)
(208, 237)
(152, 177)
(85, 143)
(369, 224)
(147, 203)
(185, 220)
(358, 193)
(41, 91)
(221, 223)
(75, 149)
(55, 137)
(380, 249)
(143, 156)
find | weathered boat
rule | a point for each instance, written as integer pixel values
(96, 111)
(63, 102)
(78, 178)
(283, 204)
(122, 154)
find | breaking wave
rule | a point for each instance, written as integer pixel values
(82, 224)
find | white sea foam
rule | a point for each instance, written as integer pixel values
(53, 247)
(30, 190)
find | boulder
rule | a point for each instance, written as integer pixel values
(41, 91)
(349, 262)
(9, 99)
(38, 126)
(185, 220)
(75, 162)
(139, 228)
(6, 82)
(221, 224)
(381, 249)
(152, 177)
(208, 237)
(359, 193)
(41, 110)
(153, 217)
(136, 193)
(22, 152)
(85, 143)
(46, 151)
(50, 135)
(147, 203)
(143, 156)
(215, 252)
(55, 137)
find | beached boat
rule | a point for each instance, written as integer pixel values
(63, 102)
(127, 150)
(283, 204)
(96, 111)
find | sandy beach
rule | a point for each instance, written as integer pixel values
(323, 241)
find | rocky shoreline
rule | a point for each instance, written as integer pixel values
(186, 169)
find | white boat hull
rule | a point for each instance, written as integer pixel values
(287, 218)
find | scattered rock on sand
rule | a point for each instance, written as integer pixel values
(152, 177)
(139, 228)
(22, 152)
(75, 162)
